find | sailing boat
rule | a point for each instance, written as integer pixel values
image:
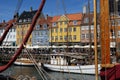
(63, 63)
(68, 61)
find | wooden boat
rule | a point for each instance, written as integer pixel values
(63, 63)
(24, 62)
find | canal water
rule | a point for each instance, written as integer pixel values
(20, 72)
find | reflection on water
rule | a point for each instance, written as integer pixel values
(31, 72)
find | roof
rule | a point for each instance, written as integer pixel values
(86, 17)
(2, 24)
(45, 20)
(42, 21)
(75, 16)
(27, 14)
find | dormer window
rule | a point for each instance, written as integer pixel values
(86, 20)
(37, 27)
(29, 20)
(24, 20)
(20, 20)
(54, 24)
(74, 22)
(45, 26)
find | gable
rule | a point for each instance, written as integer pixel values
(63, 18)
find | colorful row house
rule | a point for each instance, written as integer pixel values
(65, 30)
(10, 39)
(23, 24)
(40, 34)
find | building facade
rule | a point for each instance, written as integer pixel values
(10, 39)
(23, 25)
(41, 32)
(65, 30)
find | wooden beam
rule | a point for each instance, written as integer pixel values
(105, 31)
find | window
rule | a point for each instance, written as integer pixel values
(13, 30)
(65, 29)
(86, 20)
(65, 37)
(37, 27)
(20, 20)
(113, 34)
(29, 20)
(85, 28)
(56, 38)
(119, 34)
(13, 36)
(118, 22)
(52, 30)
(70, 37)
(61, 38)
(54, 24)
(56, 30)
(60, 29)
(25, 20)
(70, 29)
(92, 35)
(83, 36)
(74, 29)
(74, 22)
(45, 26)
(10, 30)
(65, 22)
(87, 36)
(52, 37)
(74, 37)
(60, 22)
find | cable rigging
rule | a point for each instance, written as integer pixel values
(19, 3)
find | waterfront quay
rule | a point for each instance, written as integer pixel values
(39, 54)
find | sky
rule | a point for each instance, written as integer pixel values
(52, 7)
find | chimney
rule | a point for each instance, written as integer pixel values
(46, 17)
(3, 21)
(85, 9)
(31, 9)
(16, 15)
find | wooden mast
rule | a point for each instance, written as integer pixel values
(95, 39)
(105, 33)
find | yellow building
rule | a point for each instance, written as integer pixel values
(23, 25)
(65, 29)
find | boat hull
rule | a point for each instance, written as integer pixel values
(112, 73)
(23, 64)
(83, 69)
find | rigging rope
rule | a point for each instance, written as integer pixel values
(19, 3)
(36, 65)
(40, 70)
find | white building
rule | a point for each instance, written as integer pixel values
(10, 39)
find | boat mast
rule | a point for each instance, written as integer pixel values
(95, 40)
(105, 33)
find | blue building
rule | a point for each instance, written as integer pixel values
(40, 35)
